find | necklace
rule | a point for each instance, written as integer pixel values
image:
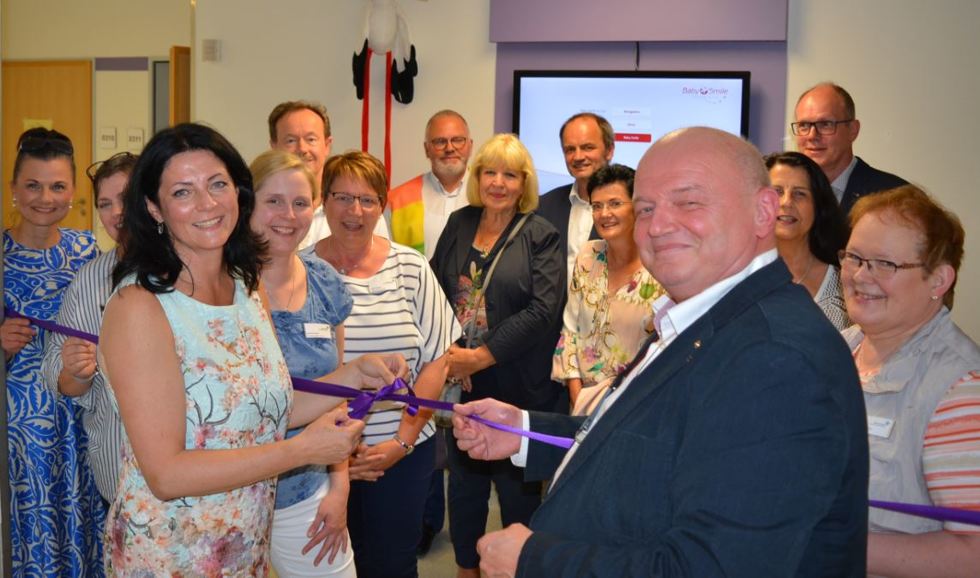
(345, 270)
(806, 273)
(292, 290)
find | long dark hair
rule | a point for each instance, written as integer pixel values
(151, 255)
(829, 232)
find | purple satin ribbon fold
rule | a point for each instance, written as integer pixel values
(361, 402)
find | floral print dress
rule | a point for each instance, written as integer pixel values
(600, 335)
(238, 395)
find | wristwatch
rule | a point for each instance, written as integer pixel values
(409, 448)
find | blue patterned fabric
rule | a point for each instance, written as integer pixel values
(56, 512)
(327, 301)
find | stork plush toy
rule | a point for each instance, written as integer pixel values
(385, 32)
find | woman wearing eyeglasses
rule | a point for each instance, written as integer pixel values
(398, 308)
(810, 230)
(69, 365)
(921, 379)
(610, 296)
(56, 511)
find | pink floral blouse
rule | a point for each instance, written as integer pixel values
(600, 335)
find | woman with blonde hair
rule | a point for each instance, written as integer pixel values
(308, 303)
(503, 268)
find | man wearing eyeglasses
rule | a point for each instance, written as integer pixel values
(825, 129)
(419, 209)
(588, 143)
(302, 127)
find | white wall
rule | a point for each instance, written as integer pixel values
(301, 49)
(911, 66)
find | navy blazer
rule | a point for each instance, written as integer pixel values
(864, 180)
(555, 207)
(740, 451)
(524, 302)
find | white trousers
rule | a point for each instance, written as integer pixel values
(289, 526)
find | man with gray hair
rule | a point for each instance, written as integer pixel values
(419, 208)
(735, 443)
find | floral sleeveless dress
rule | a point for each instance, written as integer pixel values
(238, 395)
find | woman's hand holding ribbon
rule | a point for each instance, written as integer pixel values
(15, 333)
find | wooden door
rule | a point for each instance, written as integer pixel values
(180, 84)
(53, 94)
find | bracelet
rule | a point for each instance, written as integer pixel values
(409, 448)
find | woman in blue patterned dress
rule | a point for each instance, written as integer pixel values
(192, 362)
(309, 303)
(56, 512)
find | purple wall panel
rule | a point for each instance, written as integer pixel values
(765, 60)
(637, 20)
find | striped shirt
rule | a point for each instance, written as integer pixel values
(81, 308)
(951, 451)
(401, 309)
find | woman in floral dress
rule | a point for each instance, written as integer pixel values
(607, 316)
(198, 377)
(56, 512)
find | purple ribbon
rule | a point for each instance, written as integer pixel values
(52, 326)
(935, 512)
(361, 401)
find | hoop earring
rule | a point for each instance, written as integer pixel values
(159, 227)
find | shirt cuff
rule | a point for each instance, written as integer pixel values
(520, 458)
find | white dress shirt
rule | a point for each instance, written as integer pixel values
(672, 324)
(579, 226)
(439, 204)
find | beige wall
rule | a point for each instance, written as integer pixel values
(301, 49)
(911, 66)
(39, 29)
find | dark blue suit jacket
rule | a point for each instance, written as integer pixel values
(740, 451)
(864, 180)
(555, 207)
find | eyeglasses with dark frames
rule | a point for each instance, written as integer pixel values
(880, 269)
(456, 141)
(823, 126)
(347, 199)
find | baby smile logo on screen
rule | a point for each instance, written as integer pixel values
(712, 94)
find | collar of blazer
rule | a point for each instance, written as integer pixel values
(686, 348)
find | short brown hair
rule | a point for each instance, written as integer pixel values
(942, 233)
(284, 108)
(356, 165)
(608, 134)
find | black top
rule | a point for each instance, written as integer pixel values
(524, 303)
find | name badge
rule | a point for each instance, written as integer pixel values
(318, 330)
(880, 427)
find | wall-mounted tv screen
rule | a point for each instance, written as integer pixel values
(642, 106)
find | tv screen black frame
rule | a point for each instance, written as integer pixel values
(548, 162)
(744, 75)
